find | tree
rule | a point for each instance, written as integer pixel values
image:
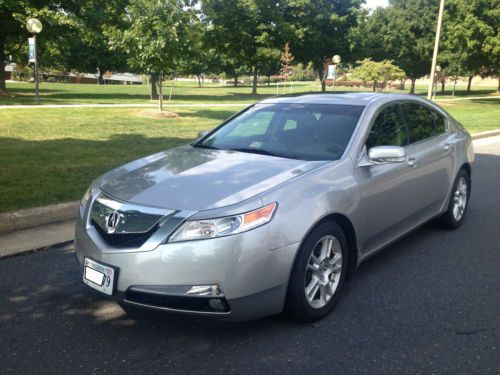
(154, 39)
(379, 73)
(245, 32)
(403, 32)
(471, 37)
(320, 29)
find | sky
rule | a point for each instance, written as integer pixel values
(372, 4)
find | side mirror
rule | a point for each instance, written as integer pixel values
(386, 154)
(202, 133)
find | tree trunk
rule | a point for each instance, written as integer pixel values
(412, 87)
(469, 84)
(374, 86)
(269, 80)
(235, 80)
(100, 79)
(443, 83)
(402, 84)
(153, 81)
(160, 89)
(199, 80)
(498, 87)
(321, 75)
(454, 85)
(2, 63)
(254, 85)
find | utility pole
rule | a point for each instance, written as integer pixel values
(436, 48)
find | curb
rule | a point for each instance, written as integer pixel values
(491, 133)
(34, 217)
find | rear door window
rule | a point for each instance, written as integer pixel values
(423, 122)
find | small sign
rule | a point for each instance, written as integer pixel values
(331, 71)
(31, 50)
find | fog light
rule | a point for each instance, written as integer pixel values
(217, 304)
(205, 291)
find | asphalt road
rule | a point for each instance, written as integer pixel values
(428, 304)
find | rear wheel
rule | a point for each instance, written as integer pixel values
(318, 273)
(453, 217)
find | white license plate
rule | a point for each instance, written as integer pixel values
(99, 276)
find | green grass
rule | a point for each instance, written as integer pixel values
(183, 92)
(51, 155)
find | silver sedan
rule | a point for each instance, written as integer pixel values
(274, 209)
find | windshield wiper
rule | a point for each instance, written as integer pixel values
(201, 145)
(262, 152)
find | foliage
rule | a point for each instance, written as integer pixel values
(403, 32)
(286, 61)
(303, 73)
(380, 73)
(320, 30)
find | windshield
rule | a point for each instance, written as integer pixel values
(298, 131)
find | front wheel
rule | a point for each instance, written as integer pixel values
(318, 273)
(453, 217)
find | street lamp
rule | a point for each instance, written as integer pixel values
(335, 60)
(34, 26)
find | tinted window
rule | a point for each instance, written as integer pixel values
(302, 131)
(423, 122)
(388, 129)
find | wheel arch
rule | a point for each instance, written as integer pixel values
(348, 228)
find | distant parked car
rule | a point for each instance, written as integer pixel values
(273, 209)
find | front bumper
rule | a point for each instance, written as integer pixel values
(252, 276)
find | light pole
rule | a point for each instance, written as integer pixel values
(34, 26)
(335, 60)
(436, 48)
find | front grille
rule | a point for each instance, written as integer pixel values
(124, 240)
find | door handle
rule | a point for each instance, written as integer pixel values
(412, 162)
(447, 146)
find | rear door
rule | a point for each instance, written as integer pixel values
(430, 143)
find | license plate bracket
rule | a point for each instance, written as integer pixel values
(100, 276)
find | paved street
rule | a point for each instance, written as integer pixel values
(428, 304)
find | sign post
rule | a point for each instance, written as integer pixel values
(34, 26)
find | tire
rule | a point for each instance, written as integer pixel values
(459, 200)
(329, 274)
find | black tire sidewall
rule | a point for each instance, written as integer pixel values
(297, 305)
(448, 219)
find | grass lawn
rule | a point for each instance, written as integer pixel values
(183, 92)
(51, 155)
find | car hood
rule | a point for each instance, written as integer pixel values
(189, 178)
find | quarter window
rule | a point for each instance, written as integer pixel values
(388, 129)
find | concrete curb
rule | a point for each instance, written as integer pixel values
(491, 133)
(34, 217)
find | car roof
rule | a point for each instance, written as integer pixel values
(352, 98)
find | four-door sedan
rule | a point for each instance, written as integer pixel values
(276, 207)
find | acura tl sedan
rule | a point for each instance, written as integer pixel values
(274, 209)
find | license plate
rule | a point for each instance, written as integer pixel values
(99, 276)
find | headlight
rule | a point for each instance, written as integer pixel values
(93, 190)
(225, 226)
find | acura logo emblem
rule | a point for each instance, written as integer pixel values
(112, 221)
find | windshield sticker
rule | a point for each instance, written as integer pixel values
(255, 144)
